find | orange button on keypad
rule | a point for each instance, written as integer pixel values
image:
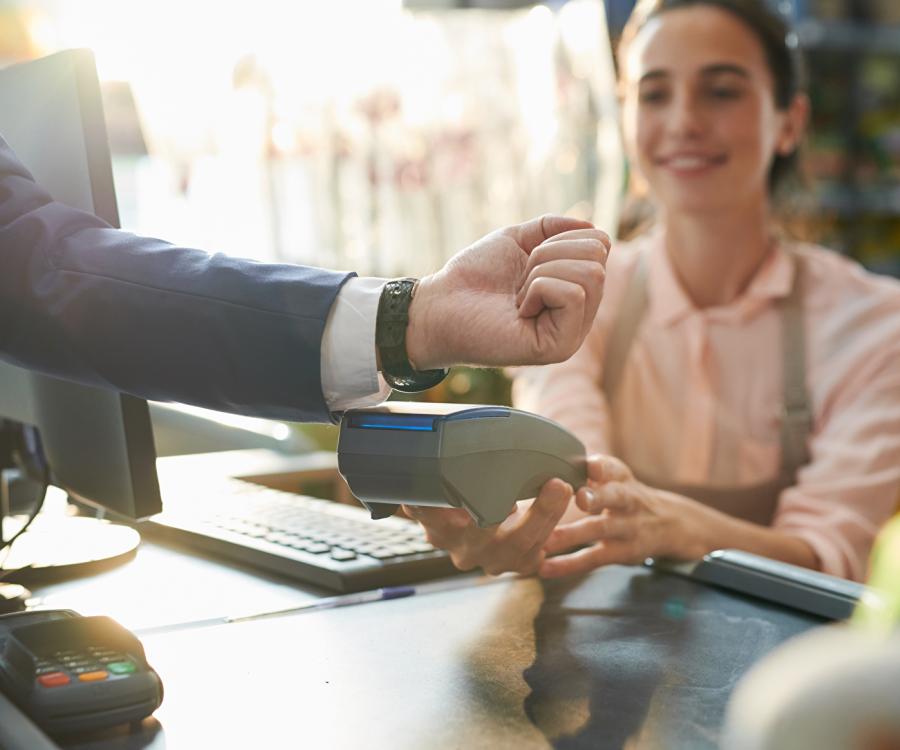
(93, 676)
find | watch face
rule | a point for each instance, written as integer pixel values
(421, 380)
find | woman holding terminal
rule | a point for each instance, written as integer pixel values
(740, 389)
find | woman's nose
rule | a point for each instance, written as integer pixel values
(685, 116)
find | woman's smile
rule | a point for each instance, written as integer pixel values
(691, 163)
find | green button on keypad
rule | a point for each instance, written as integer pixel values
(121, 667)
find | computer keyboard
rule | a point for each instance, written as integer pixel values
(336, 546)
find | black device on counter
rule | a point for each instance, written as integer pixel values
(71, 673)
(774, 581)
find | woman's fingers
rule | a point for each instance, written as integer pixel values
(443, 526)
(619, 497)
(602, 468)
(451, 518)
(584, 560)
(518, 546)
(541, 518)
(610, 486)
(514, 545)
(526, 564)
(589, 530)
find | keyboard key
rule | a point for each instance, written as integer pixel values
(401, 549)
(342, 554)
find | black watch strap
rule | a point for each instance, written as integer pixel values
(390, 338)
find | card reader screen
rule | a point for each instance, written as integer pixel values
(409, 422)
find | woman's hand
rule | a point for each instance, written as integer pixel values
(514, 545)
(627, 523)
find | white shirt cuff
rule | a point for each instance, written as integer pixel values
(350, 377)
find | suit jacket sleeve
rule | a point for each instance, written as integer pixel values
(82, 301)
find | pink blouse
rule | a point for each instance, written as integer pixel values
(701, 392)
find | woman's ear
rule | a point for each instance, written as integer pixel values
(793, 126)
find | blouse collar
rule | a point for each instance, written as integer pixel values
(670, 303)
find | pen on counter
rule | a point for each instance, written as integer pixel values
(333, 602)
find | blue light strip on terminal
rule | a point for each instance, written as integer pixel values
(408, 422)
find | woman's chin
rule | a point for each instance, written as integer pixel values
(687, 204)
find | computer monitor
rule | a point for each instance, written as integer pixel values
(97, 444)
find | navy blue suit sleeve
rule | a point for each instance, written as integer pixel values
(82, 301)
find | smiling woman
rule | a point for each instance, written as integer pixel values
(743, 390)
(741, 87)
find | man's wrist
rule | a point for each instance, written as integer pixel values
(419, 333)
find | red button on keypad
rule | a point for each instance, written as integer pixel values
(53, 679)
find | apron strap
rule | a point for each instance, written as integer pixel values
(796, 419)
(628, 320)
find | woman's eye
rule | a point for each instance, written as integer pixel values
(722, 92)
(652, 97)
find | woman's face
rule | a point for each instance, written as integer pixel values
(699, 115)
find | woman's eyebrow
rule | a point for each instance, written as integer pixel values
(707, 71)
(652, 75)
(719, 68)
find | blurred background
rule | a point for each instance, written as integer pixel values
(361, 135)
(383, 136)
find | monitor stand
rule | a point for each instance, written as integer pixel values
(58, 545)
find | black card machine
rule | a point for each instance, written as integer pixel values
(480, 458)
(71, 673)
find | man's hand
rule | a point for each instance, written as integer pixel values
(526, 294)
(514, 545)
(627, 523)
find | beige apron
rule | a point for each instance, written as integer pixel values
(758, 502)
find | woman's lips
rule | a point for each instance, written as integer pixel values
(688, 164)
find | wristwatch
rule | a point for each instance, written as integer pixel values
(390, 338)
